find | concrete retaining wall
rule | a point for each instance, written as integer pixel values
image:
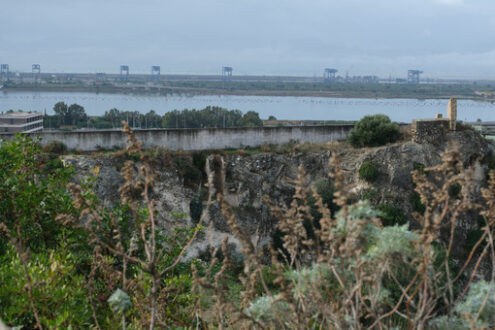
(199, 139)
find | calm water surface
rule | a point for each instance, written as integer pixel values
(282, 107)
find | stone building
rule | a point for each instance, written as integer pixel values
(432, 130)
(17, 122)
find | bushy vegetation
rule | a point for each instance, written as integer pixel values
(56, 147)
(373, 131)
(74, 116)
(67, 261)
(369, 171)
(390, 215)
(355, 273)
(62, 256)
(210, 117)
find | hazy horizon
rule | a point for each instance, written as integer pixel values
(444, 38)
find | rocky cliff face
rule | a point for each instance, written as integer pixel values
(247, 178)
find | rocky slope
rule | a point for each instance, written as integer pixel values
(249, 177)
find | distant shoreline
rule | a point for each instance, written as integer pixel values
(173, 90)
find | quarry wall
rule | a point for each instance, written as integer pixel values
(198, 139)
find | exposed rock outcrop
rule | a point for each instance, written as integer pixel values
(247, 178)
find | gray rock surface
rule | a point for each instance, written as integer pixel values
(249, 177)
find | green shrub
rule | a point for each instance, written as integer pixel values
(191, 175)
(56, 147)
(420, 168)
(489, 160)
(325, 189)
(479, 304)
(33, 192)
(473, 236)
(418, 206)
(60, 295)
(455, 190)
(373, 131)
(369, 194)
(390, 215)
(369, 171)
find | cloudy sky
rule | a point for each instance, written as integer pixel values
(444, 38)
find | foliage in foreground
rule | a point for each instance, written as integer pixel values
(115, 267)
(64, 257)
(356, 274)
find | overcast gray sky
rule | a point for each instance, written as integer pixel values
(445, 38)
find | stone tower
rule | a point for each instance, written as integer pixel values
(452, 113)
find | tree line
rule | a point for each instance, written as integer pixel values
(74, 116)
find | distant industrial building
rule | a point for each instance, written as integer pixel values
(36, 71)
(124, 73)
(21, 122)
(155, 72)
(227, 73)
(4, 71)
(329, 74)
(413, 76)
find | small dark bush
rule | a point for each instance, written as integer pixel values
(418, 206)
(390, 215)
(489, 159)
(472, 238)
(185, 168)
(56, 147)
(199, 161)
(373, 131)
(325, 189)
(369, 171)
(369, 194)
(419, 167)
(455, 190)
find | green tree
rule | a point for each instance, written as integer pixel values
(373, 131)
(76, 115)
(251, 119)
(207, 117)
(152, 120)
(62, 111)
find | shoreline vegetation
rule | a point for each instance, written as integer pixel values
(469, 91)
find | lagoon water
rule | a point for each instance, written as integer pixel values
(282, 107)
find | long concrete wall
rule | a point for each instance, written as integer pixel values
(198, 139)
